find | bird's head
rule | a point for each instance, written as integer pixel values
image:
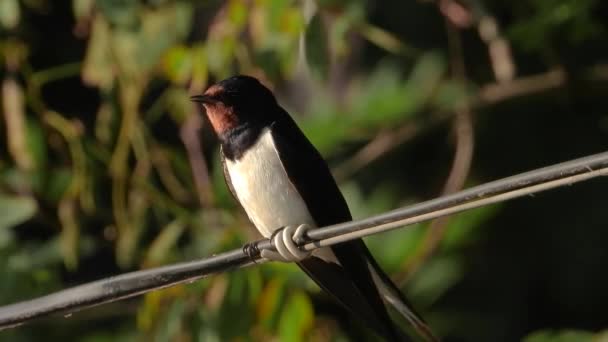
(237, 101)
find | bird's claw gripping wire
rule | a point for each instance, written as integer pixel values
(285, 242)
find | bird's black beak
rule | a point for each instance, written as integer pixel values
(203, 99)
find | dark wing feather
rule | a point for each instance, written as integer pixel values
(351, 283)
(227, 175)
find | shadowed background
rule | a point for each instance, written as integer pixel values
(107, 167)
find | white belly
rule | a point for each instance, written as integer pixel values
(264, 190)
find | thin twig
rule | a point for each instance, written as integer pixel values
(190, 137)
(135, 283)
(378, 146)
(497, 92)
(461, 165)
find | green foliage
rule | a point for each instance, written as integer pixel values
(103, 169)
(560, 336)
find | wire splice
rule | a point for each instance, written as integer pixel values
(285, 241)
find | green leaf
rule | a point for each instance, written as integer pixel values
(425, 78)
(97, 66)
(451, 94)
(559, 336)
(462, 228)
(436, 277)
(38, 151)
(163, 244)
(58, 183)
(317, 50)
(297, 318)
(235, 304)
(9, 13)
(269, 302)
(327, 132)
(383, 99)
(122, 13)
(177, 64)
(15, 210)
(82, 8)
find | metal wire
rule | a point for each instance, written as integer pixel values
(135, 283)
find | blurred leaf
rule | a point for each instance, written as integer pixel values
(327, 132)
(462, 227)
(35, 257)
(559, 336)
(436, 277)
(425, 78)
(382, 99)
(200, 72)
(237, 13)
(13, 105)
(70, 232)
(122, 13)
(15, 210)
(219, 55)
(164, 243)
(546, 20)
(173, 323)
(451, 94)
(97, 69)
(177, 64)
(36, 145)
(317, 51)
(178, 103)
(9, 13)
(269, 302)
(82, 8)
(297, 318)
(58, 182)
(235, 303)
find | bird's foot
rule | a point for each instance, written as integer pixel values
(285, 242)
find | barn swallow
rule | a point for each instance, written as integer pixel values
(280, 179)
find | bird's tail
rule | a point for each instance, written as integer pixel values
(393, 296)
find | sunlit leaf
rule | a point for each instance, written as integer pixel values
(200, 72)
(9, 13)
(269, 302)
(13, 105)
(121, 13)
(70, 232)
(177, 64)
(82, 8)
(297, 318)
(237, 13)
(97, 69)
(15, 210)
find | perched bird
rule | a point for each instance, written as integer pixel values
(280, 179)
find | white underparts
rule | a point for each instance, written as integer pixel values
(264, 190)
